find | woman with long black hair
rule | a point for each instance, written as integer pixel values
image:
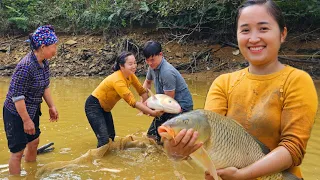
(114, 87)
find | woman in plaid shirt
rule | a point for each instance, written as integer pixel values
(29, 83)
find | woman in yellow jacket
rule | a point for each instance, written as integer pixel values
(114, 87)
(274, 102)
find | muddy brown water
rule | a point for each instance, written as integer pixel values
(72, 137)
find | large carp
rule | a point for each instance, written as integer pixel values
(163, 103)
(226, 142)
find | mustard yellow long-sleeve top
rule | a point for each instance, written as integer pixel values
(116, 86)
(278, 109)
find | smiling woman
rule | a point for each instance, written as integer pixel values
(260, 34)
(129, 67)
(274, 102)
(113, 88)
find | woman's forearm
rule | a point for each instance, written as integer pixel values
(47, 97)
(22, 110)
(144, 108)
(144, 96)
(147, 84)
(276, 161)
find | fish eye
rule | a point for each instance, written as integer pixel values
(170, 101)
(186, 121)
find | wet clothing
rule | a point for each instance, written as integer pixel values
(167, 78)
(100, 103)
(100, 121)
(13, 125)
(278, 109)
(116, 86)
(28, 82)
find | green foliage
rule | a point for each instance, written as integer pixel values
(79, 16)
(301, 14)
(20, 22)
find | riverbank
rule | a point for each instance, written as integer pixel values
(92, 55)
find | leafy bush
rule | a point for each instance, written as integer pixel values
(80, 16)
(301, 15)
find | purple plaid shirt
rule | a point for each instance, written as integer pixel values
(28, 82)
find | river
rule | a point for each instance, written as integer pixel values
(73, 136)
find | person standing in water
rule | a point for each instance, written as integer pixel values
(167, 80)
(29, 84)
(274, 102)
(99, 104)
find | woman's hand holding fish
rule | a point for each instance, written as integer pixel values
(157, 113)
(182, 145)
(207, 176)
(228, 173)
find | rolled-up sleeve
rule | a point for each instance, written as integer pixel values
(297, 118)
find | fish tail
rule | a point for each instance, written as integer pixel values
(202, 158)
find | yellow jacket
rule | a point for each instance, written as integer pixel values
(116, 86)
(278, 109)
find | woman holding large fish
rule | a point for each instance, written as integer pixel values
(274, 102)
(99, 104)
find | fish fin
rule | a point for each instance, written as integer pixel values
(140, 113)
(152, 95)
(289, 176)
(179, 175)
(188, 164)
(202, 158)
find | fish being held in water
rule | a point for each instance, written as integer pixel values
(226, 142)
(163, 103)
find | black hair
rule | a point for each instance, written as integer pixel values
(151, 48)
(121, 60)
(32, 44)
(273, 9)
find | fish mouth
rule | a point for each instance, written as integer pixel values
(166, 132)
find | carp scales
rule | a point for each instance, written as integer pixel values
(225, 142)
(163, 103)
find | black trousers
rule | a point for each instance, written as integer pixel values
(158, 121)
(101, 122)
(13, 125)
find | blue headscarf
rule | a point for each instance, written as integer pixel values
(43, 35)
